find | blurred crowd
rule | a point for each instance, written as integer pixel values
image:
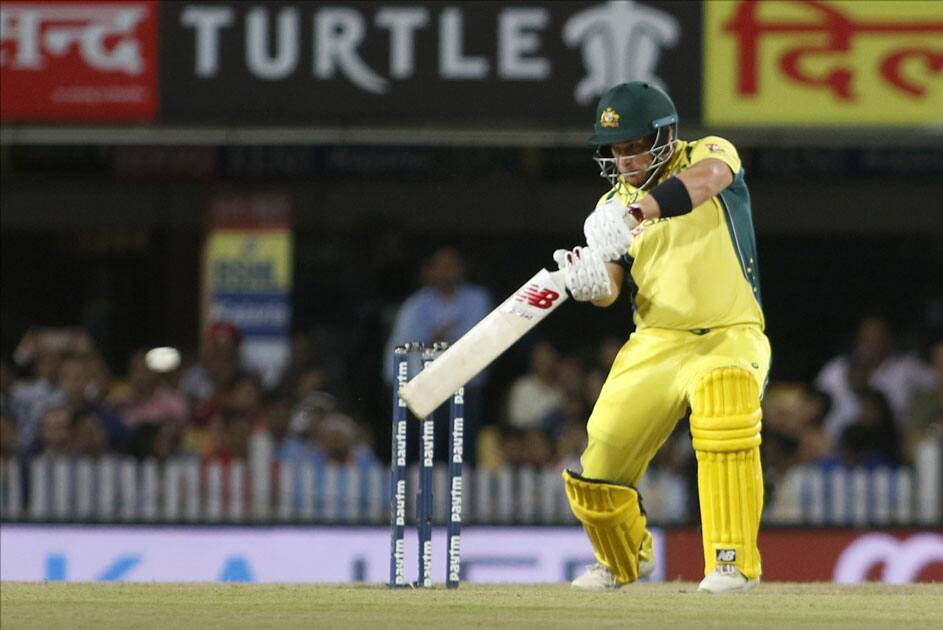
(868, 407)
(60, 398)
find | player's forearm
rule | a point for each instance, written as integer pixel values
(705, 179)
(702, 181)
(607, 301)
(616, 276)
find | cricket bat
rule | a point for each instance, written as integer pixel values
(484, 343)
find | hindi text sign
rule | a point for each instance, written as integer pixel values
(816, 62)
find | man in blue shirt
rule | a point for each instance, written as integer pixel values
(443, 309)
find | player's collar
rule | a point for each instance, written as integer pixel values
(675, 160)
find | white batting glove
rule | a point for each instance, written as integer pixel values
(584, 272)
(608, 229)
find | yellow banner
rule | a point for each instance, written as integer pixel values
(823, 62)
(249, 261)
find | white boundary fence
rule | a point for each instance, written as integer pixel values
(114, 489)
(859, 497)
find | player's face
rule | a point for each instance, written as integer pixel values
(634, 158)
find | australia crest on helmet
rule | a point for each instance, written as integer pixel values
(609, 118)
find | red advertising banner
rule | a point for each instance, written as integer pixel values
(78, 61)
(895, 556)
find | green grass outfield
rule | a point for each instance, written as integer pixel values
(674, 604)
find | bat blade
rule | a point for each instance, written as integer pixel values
(485, 342)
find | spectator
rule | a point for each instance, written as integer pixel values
(812, 409)
(75, 381)
(303, 357)
(876, 417)
(7, 435)
(572, 377)
(89, 437)
(231, 432)
(539, 450)
(7, 378)
(782, 435)
(792, 427)
(872, 440)
(856, 450)
(779, 403)
(141, 441)
(222, 437)
(83, 388)
(574, 381)
(278, 420)
(306, 416)
(148, 399)
(39, 353)
(311, 404)
(513, 445)
(54, 432)
(145, 405)
(924, 417)
(573, 411)
(444, 309)
(340, 443)
(780, 452)
(336, 441)
(205, 381)
(490, 447)
(99, 377)
(169, 441)
(246, 397)
(537, 394)
(330, 436)
(310, 382)
(571, 442)
(873, 363)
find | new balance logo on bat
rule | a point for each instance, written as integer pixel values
(534, 295)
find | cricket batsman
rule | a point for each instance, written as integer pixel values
(676, 232)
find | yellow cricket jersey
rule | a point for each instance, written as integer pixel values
(699, 270)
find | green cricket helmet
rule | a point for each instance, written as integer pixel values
(630, 111)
